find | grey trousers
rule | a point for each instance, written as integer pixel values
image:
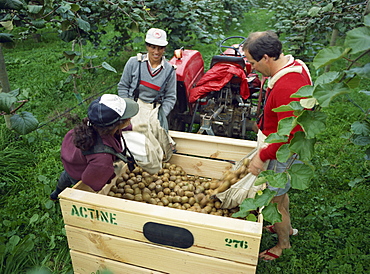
(65, 180)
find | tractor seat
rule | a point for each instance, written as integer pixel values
(228, 59)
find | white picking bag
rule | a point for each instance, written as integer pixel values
(148, 117)
(147, 153)
(245, 187)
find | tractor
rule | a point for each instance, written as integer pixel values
(224, 101)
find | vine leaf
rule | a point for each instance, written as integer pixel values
(274, 179)
(265, 198)
(283, 153)
(326, 92)
(271, 213)
(67, 67)
(312, 122)
(292, 106)
(358, 39)
(84, 25)
(276, 138)
(250, 204)
(363, 72)
(302, 146)
(329, 77)
(278, 180)
(314, 11)
(361, 128)
(6, 40)
(367, 20)
(353, 82)
(300, 176)
(305, 91)
(286, 125)
(34, 8)
(6, 102)
(308, 103)
(244, 208)
(23, 123)
(329, 55)
(360, 140)
(8, 25)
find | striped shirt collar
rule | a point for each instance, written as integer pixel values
(153, 70)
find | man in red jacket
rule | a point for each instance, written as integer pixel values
(286, 75)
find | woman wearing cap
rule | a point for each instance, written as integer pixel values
(107, 116)
(151, 80)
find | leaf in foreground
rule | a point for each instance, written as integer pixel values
(329, 77)
(329, 55)
(245, 207)
(305, 91)
(300, 175)
(277, 179)
(326, 92)
(283, 153)
(312, 122)
(292, 106)
(367, 20)
(308, 103)
(6, 102)
(363, 72)
(358, 39)
(276, 138)
(271, 213)
(286, 125)
(265, 198)
(250, 204)
(24, 123)
(302, 146)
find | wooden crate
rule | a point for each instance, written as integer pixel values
(105, 232)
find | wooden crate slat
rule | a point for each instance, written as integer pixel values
(84, 263)
(212, 146)
(240, 246)
(148, 255)
(201, 166)
(178, 215)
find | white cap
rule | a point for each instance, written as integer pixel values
(156, 37)
(109, 108)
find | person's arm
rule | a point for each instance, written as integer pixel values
(99, 171)
(170, 95)
(127, 78)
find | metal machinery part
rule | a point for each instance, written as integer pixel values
(227, 114)
(221, 112)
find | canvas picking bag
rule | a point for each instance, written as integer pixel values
(245, 187)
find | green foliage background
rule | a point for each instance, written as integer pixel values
(332, 215)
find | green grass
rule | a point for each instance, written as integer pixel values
(332, 216)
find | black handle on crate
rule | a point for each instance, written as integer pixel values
(168, 235)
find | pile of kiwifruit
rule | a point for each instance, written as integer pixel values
(172, 187)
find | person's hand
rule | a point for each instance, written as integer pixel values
(256, 165)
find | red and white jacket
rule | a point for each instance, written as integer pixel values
(281, 86)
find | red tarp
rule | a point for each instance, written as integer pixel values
(216, 78)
